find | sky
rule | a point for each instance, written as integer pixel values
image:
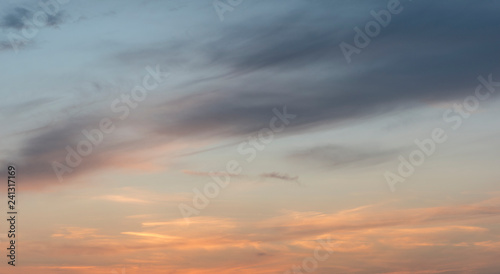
(239, 136)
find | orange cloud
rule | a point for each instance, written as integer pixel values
(366, 239)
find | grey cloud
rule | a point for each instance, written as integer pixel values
(295, 60)
(332, 156)
(27, 105)
(279, 176)
(55, 20)
(21, 17)
(36, 157)
(15, 19)
(432, 51)
(209, 174)
(48, 145)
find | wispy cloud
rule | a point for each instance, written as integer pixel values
(76, 233)
(208, 174)
(122, 199)
(279, 176)
(336, 156)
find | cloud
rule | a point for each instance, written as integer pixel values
(292, 59)
(304, 224)
(55, 20)
(298, 226)
(122, 199)
(320, 87)
(151, 235)
(279, 176)
(356, 234)
(54, 143)
(76, 233)
(208, 174)
(385, 239)
(15, 19)
(270, 175)
(329, 156)
(20, 17)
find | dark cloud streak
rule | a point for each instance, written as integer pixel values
(432, 51)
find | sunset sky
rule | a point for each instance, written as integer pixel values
(251, 136)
